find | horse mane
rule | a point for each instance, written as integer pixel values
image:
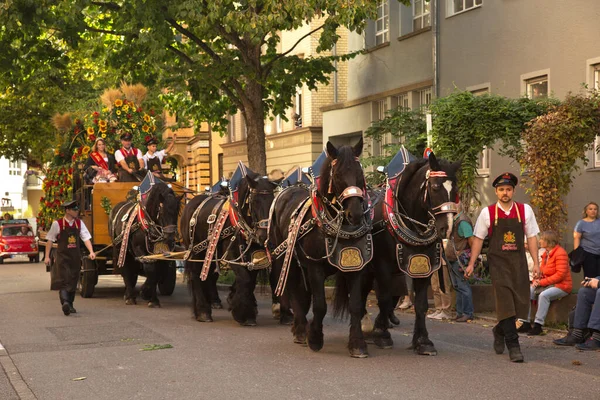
(344, 162)
(408, 175)
(159, 191)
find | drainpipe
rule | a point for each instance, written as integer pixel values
(435, 46)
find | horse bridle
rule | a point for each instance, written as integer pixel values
(444, 208)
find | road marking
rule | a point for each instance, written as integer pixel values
(14, 376)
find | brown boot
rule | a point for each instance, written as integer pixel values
(498, 341)
(515, 354)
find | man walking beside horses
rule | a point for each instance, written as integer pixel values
(507, 223)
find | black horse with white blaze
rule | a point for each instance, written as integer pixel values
(413, 213)
(320, 231)
(228, 229)
(144, 228)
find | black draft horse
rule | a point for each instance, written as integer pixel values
(256, 193)
(425, 201)
(341, 173)
(155, 232)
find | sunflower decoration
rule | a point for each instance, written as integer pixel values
(76, 134)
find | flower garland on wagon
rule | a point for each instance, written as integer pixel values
(76, 136)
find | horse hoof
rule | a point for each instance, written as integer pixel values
(216, 306)
(204, 317)
(153, 305)
(300, 339)
(130, 302)
(276, 310)
(383, 343)
(426, 350)
(286, 320)
(315, 345)
(249, 322)
(359, 353)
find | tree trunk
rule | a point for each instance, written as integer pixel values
(255, 124)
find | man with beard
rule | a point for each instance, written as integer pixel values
(129, 159)
(507, 224)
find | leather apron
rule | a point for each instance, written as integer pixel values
(67, 265)
(133, 163)
(508, 268)
(153, 165)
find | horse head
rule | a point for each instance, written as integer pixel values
(163, 209)
(439, 192)
(258, 192)
(343, 180)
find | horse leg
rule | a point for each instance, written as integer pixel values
(381, 334)
(130, 275)
(152, 271)
(242, 298)
(316, 277)
(201, 308)
(421, 343)
(300, 299)
(356, 342)
(281, 306)
(215, 300)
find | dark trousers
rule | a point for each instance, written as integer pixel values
(587, 311)
(591, 265)
(508, 328)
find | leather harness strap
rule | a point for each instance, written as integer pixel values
(216, 224)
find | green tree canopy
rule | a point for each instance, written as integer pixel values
(214, 56)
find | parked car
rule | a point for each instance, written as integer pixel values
(16, 239)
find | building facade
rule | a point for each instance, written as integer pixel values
(511, 48)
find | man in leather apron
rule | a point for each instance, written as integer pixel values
(507, 223)
(129, 159)
(153, 159)
(68, 232)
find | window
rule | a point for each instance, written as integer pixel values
(421, 15)
(480, 92)
(537, 87)
(458, 6)
(596, 74)
(220, 165)
(231, 129)
(377, 114)
(14, 168)
(278, 124)
(483, 164)
(382, 23)
(425, 97)
(400, 101)
(298, 109)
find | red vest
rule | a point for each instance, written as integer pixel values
(501, 215)
(62, 224)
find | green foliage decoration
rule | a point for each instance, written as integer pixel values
(105, 204)
(407, 127)
(464, 124)
(556, 143)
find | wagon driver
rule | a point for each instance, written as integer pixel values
(507, 223)
(129, 159)
(68, 231)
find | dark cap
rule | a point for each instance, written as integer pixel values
(506, 179)
(72, 204)
(126, 136)
(150, 140)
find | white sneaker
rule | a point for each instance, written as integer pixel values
(406, 304)
(434, 314)
(442, 315)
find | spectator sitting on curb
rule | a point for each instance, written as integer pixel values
(587, 315)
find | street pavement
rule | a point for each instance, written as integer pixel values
(96, 354)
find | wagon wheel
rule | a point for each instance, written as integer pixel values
(88, 278)
(166, 284)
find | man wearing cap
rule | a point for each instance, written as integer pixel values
(153, 159)
(129, 159)
(67, 231)
(507, 224)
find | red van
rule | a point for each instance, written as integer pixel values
(17, 239)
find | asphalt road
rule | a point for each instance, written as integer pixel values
(96, 354)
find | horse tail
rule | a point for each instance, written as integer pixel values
(341, 296)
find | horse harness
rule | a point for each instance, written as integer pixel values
(346, 250)
(225, 209)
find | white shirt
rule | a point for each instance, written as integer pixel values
(160, 154)
(483, 221)
(119, 156)
(55, 230)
